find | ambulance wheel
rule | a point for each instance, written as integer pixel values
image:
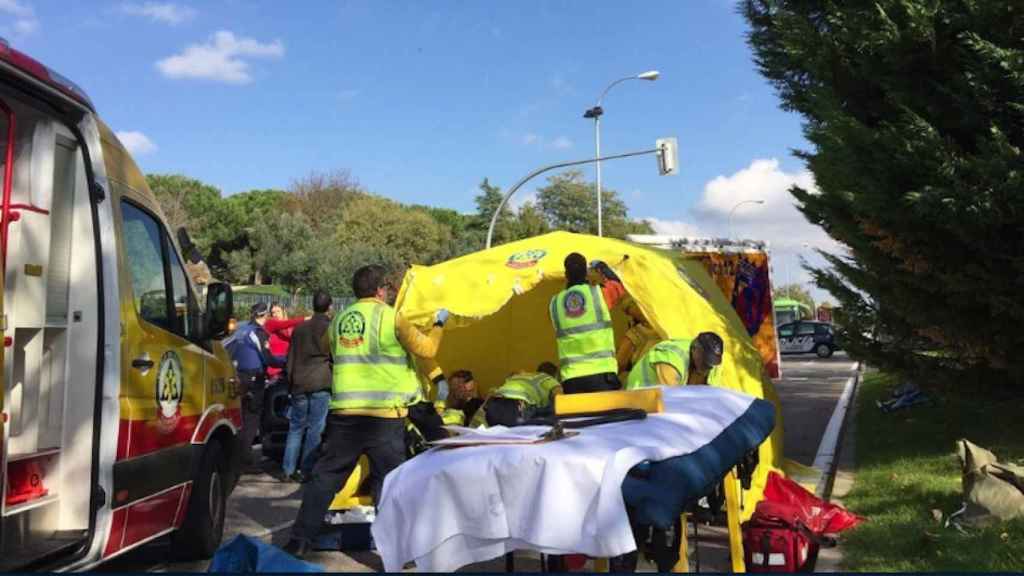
(203, 528)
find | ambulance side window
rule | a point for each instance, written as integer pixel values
(143, 247)
(184, 307)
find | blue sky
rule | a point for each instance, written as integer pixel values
(420, 101)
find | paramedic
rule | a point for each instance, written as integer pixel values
(523, 396)
(636, 342)
(581, 316)
(374, 382)
(679, 361)
(250, 352)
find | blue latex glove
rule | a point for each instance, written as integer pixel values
(441, 317)
(442, 390)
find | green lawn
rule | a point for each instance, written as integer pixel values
(907, 467)
(271, 289)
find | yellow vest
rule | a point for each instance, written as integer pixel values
(371, 369)
(583, 328)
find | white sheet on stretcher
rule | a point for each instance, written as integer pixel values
(450, 507)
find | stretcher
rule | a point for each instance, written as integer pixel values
(448, 508)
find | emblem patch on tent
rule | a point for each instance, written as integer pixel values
(170, 388)
(351, 329)
(575, 305)
(525, 259)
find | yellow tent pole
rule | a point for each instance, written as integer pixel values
(732, 510)
(683, 564)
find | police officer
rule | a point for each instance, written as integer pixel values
(250, 351)
(679, 361)
(523, 396)
(581, 316)
(374, 381)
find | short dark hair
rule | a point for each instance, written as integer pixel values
(575, 268)
(258, 309)
(464, 375)
(712, 345)
(367, 280)
(321, 302)
(548, 368)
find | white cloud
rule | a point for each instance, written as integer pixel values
(164, 12)
(25, 21)
(673, 227)
(541, 141)
(136, 142)
(791, 239)
(222, 58)
(561, 143)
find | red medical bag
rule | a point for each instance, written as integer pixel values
(775, 540)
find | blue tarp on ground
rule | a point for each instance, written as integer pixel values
(658, 492)
(247, 554)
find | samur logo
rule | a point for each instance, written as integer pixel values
(525, 259)
(575, 305)
(170, 389)
(351, 329)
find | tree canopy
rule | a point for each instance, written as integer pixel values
(914, 110)
(314, 235)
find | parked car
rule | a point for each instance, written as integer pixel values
(274, 423)
(807, 336)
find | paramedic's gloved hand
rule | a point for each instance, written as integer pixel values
(441, 318)
(442, 390)
(604, 269)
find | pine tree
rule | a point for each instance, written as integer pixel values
(915, 114)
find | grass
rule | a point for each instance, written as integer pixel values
(271, 289)
(907, 467)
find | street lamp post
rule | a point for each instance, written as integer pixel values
(596, 113)
(737, 206)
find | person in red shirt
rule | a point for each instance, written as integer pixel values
(280, 329)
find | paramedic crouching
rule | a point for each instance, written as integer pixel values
(373, 383)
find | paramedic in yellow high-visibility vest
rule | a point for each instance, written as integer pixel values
(638, 339)
(581, 316)
(374, 381)
(523, 396)
(679, 361)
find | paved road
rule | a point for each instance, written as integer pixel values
(261, 506)
(808, 391)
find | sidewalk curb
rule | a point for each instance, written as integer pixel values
(827, 457)
(840, 475)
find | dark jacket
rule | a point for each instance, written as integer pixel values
(250, 349)
(309, 363)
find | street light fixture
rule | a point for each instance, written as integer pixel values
(738, 204)
(595, 113)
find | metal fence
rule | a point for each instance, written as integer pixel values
(244, 301)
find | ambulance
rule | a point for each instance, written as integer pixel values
(120, 408)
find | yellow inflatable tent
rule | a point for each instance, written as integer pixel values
(498, 299)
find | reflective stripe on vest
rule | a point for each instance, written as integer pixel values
(534, 389)
(371, 369)
(583, 329)
(675, 353)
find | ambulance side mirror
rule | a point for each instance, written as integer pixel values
(219, 305)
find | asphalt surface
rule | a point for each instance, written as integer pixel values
(263, 507)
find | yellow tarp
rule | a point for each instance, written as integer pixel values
(499, 298)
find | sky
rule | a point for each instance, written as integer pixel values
(420, 101)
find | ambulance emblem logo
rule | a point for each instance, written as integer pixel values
(351, 329)
(525, 259)
(170, 388)
(575, 305)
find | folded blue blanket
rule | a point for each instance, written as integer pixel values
(659, 492)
